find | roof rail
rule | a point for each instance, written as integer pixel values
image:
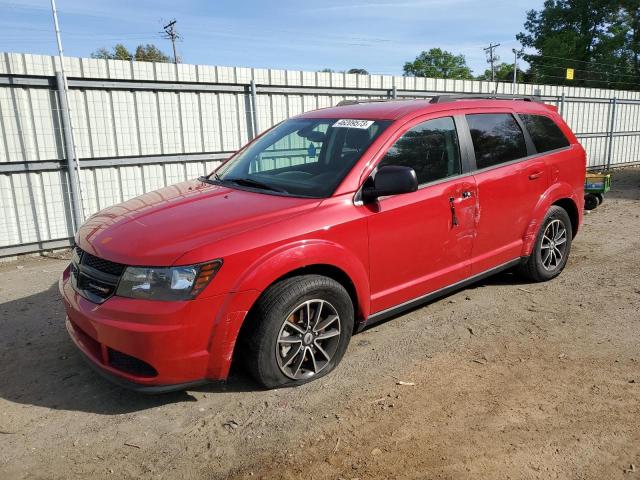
(342, 103)
(488, 96)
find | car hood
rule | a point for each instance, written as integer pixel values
(158, 227)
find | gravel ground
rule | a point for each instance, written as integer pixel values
(502, 380)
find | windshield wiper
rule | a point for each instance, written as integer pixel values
(207, 179)
(249, 182)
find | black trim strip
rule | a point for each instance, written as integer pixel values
(390, 312)
(528, 140)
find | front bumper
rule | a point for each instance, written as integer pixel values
(152, 345)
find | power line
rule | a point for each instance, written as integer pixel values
(607, 73)
(572, 60)
(492, 58)
(591, 80)
(590, 72)
(170, 33)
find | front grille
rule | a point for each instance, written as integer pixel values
(106, 266)
(94, 278)
(129, 364)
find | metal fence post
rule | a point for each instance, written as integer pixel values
(394, 93)
(254, 108)
(70, 152)
(562, 105)
(612, 125)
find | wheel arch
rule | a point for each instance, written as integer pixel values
(297, 258)
(330, 271)
(308, 257)
(569, 206)
(560, 194)
(324, 269)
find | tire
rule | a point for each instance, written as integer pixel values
(600, 198)
(539, 267)
(271, 342)
(590, 201)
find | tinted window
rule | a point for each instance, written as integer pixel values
(497, 138)
(430, 148)
(546, 135)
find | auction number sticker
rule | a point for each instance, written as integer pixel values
(350, 123)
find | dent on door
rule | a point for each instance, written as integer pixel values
(420, 242)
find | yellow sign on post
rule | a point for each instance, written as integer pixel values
(570, 72)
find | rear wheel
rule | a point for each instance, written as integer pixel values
(590, 201)
(600, 198)
(552, 247)
(299, 332)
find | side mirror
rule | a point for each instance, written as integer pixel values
(390, 180)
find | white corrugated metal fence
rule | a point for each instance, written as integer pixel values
(140, 126)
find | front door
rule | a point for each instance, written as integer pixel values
(420, 242)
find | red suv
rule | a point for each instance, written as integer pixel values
(329, 222)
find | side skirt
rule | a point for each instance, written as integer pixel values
(390, 312)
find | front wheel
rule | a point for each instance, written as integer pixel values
(299, 331)
(552, 247)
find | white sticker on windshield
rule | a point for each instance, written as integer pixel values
(350, 123)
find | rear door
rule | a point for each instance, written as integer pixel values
(510, 180)
(420, 242)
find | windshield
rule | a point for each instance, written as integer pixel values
(301, 157)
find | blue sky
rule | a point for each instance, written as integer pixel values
(378, 35)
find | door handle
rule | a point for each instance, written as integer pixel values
(454, 217)
(467, 194)
(535, 175)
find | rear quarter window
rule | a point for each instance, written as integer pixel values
(546, 135)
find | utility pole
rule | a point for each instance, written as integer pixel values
(73, 165)
(492, 59)
(170, 33)
(516, 55)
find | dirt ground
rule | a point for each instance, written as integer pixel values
(505, 380)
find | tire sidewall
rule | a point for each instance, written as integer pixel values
(308, 288)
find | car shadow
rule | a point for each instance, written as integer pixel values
(40, 366)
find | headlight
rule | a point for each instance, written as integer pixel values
(172, 283)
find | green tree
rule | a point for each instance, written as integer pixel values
(151, 53)
(359, 71)
(629, 26)
(438, 63)
(119, 52)
(504, 73)
(144, 53)
(590, 36)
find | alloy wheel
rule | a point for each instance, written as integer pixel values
(554, 245)
(308, 339)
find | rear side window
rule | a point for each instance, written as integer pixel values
(546, 135)
(497, 138)
(430, 148)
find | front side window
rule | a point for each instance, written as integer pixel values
(430, 148)
(546, 135)
(302, 157)
(497, 138)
